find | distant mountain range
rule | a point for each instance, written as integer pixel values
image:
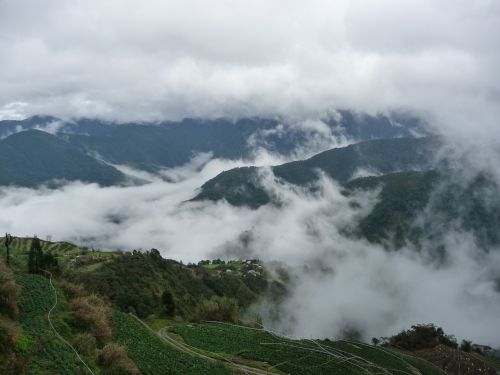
(68, 149)
(412, 180)
(407, 169)
(33, 157)
(242, 186)
(418, 207)
(170, 143)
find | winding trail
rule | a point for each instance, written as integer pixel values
(163, 335)
(54, 328)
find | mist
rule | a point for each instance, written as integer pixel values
(338, 282)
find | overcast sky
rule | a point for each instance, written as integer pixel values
(158, 59)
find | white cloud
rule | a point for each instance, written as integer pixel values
(347, 281)
(148, 60)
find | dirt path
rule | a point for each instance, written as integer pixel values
(163, 334)
(49, 318)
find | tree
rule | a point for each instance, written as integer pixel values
(422, 336)
(35, 257)
(51, 263)
(168, 302)
(466, 346)
(217, 308)
(8, 241)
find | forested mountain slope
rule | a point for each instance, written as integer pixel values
(33, 157)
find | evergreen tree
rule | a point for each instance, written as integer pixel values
(168, 302)
(35, 257)
(31, 260)
(8, 241)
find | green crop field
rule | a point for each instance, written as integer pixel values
(45, 353)
(155, 357)
(299, 357)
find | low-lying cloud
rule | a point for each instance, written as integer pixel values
(338, 282)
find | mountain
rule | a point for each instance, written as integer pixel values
(441, 200)
(55, 125)
(170, 144)
(33, 157)
(361, 126)
(151, 146)
(242, 186)
(8, 127)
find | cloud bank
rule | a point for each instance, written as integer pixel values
(154, 60)
(338, 282)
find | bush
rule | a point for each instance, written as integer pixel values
(115, 360)
(217, 308)
(85, 344)
(92, 313)
(10, 293)
(72, 290)
(9, 334)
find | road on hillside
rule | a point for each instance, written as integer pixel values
(163, 334)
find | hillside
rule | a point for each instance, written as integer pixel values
(202, 334)
(241, 186)
(464, 205)
(34, 157)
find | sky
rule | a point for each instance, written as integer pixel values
(160, 59)
(156, 60)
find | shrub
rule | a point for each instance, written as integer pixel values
(9, 334)
(72, 290)
(92, 313)
(217, 308)
(9, 293)
(114, 359)
(85, 344)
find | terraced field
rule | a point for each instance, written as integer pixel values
(456, 362)
(300, 357)
(154, 357)
(44, 352)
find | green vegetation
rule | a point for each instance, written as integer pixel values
(241, 186)
(10, 331)
(136, 282)
(467, 205)
(34, 157)
(217, 308)
(114, 359)
(422, 336)
(170, 144)
(153, 356)
(45, 352)
(298, 356)
(111, 341)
